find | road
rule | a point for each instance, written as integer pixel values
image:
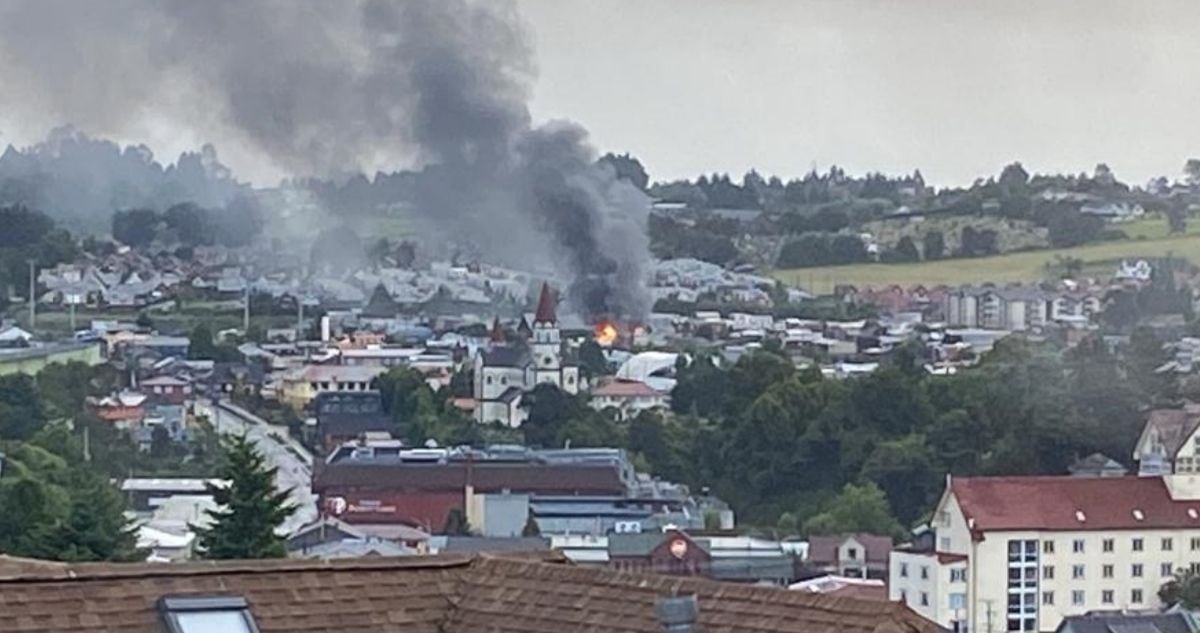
(293, 461)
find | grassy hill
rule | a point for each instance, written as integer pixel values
(1027, 266)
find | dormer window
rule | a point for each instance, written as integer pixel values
(214, 614)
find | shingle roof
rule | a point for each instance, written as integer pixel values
(346, 424)
(443, 594)
(505, 356)
(1120, 623)
(1072, 503)
(1172, 428)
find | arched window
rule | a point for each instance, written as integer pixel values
(570, 380)
(488, 380)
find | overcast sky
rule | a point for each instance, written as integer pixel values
(955, 88)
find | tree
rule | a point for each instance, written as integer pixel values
(591, 358)
(190, 224)
(531, 527)
(904, 469)
(627, 168)
(200, 343)
(1191, 171)
(135, 227)
(21, 412)
(96, 528)
(1182, 590)
(249, 508)
(1176, 219)
(456, 523)
(407, 398)
(857, 509)
(934, 245)
(905, 251)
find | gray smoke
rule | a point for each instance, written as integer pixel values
(328, 88)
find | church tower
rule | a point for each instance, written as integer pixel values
(546, 343)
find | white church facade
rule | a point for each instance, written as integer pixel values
(505, 371)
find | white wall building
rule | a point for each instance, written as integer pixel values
(1021, 553)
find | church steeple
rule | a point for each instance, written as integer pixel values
(496, 336)
(545, 314)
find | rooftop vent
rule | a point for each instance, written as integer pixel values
(1139, 515)
(1193, 513)
(1080, 516)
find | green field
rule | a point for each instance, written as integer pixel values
(1010, 267)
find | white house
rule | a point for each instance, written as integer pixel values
(628, 397)
(1022, 553)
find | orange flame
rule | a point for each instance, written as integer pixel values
(606, 333)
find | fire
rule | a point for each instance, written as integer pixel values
(606, 333)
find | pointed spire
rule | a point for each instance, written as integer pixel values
(545, 307)
(497, 333)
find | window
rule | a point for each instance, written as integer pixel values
(958, 575)
(945, 543)
(1047, 547)
(958, 600)
(852, 553)
(206, 615)
(1107, 545)
(1077, 598)
(1077, 572)
(904, 596)
(924, 599)
(1136, 570)
(1106, 571)
(1164, 570)
(1048, 597)
(1138, 544)
(1195, 543)
(924, 572)
(904, 570)
(1135, 596)
(1106, 596)
(944, 518)
(1168, 544)
(1048, 572)
(1194, 568)
(488, 380)
(1077, 546)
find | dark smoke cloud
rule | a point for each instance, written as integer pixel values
(327, 88)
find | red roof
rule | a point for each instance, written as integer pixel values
(620, 388)
(1072, 503)
(545, 307)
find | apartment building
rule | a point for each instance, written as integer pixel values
(1022, 553)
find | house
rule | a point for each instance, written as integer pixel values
(167, 389)
(505, 371)
(14, 336)
(1023, 553)
(854, 555)
(1170, 442)
(345, 417)
(721, 557)
(628, 397)
(449, 593)
(670, 552)
(298, 387)
(124, 409)
(1109, 622)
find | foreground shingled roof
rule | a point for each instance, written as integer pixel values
(435, 594)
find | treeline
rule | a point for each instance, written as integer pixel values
(190, 225)
(29, 236)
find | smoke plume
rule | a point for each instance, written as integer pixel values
(329, 88)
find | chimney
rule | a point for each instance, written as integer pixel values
(677, 614)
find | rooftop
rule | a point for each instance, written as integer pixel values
(443, 594)
(1072, 503)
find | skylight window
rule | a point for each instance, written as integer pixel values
(1080, 516)
(1137, 514)
(214, 614)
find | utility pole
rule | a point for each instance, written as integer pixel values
(246, 311)
(989, 614)
(299, 317)
(32, 295)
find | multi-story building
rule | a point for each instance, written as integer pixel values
(1022, 553)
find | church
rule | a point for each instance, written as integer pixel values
(506, 370)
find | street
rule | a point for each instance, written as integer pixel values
(293, 461)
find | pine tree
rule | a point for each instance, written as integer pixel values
(531, 527)
(96, 528)
(249, 510)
